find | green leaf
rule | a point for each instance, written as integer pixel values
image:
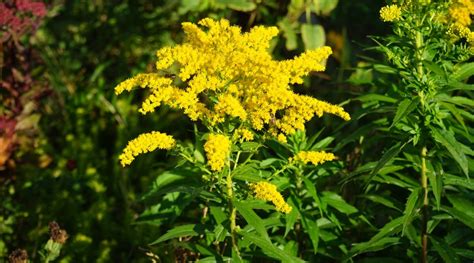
(239, 5)
(463, 72)
(375, 97)
(252, 219)
(436, 181)
(460, 215)
(385, 69)
(250, 146)
(390, 228)
(410, 208)
(336, 201)
(181, 231)
(382, 200)
(322, 143)
(289, 34)
(326, 6)
(269, 248)
(291, 217)
(444, 250)
(377, 245)
(461, 203)
(313, 192)
(449, 179)
(313, 36)
(404, 108)
(386, 157)
(312, 229)
(449, 142)
(218, 214)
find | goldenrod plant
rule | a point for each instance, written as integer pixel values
(247, 165)
(418, 110)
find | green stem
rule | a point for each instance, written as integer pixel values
(424, 225)
(233, 211)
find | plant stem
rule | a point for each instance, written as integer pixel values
(233, 211)
(424, 224)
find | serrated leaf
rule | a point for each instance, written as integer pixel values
(404, 108)
(386, 157)
(449, 142)
(313, 36)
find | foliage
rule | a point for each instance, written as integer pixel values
(62, 130)
(419, 112)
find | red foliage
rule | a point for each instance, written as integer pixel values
(17, 17)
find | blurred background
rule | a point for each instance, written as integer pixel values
(62, 127)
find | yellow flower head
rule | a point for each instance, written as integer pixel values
(223, 74)
(217, 149)
(144, 143)
(268, 192)
(243, 134)
(390, 13)
(314, 157)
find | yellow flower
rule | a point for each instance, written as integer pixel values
(314, 157)
(224, 74)
(243, 134)
(390, 13)
(144, 143)
(217, 149)
(268, 192)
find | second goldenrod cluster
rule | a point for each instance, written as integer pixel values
(390, 13)
(144, 143)
(459, 20)
(268, 192)
(314, 157)
(217, 149)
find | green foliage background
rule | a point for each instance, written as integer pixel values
(86, 48)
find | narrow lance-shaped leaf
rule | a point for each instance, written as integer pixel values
(446, 139)
(404, 108)
(181, 231)
(386, 157)
(252, 219)
(410, 208)
(269, 248)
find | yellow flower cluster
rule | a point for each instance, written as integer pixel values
(459, 15)
(223, 74)
(243, 134)
(144, 143)
(268, 192)
(217, 149)
(314, 157)
(390, 13)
